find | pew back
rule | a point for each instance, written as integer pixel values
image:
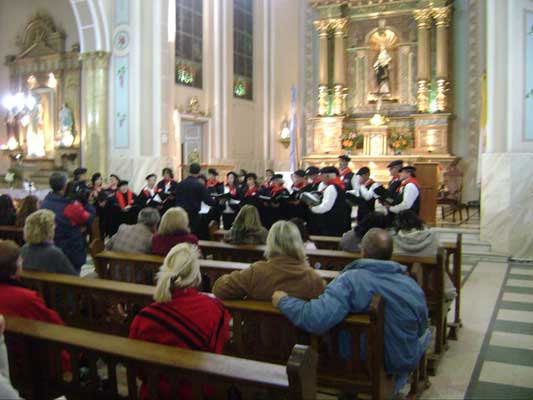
(12, 233)
(259, 330)
(37, 350)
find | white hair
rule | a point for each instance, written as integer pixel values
(284, 239)
(181, 269)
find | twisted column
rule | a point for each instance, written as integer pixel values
(423, 19)
(442, 17)
(322, 27)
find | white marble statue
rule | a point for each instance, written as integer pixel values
(35, 135)
(66, 120)
(381, 67)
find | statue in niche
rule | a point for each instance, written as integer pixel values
(381, 68)
(35, 134)
(66, 119)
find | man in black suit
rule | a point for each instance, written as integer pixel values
(189, 195)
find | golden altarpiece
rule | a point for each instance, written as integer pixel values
(383, 83)
(43, 131)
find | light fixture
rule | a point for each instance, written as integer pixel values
(52, 81)
(12, 144)
(67, 140)
(32, 82)
(378, 120)
(285, 134)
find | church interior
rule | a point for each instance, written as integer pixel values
(362, 124)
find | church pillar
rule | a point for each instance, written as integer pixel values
(442, 17)
(339, 78)
(423, 19)
(94, 111)
(323, 80)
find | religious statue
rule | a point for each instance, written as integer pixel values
(66, 120)
(381, 67)
(35, 135)
(194, 157)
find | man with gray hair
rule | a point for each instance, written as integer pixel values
(406, 313)
(136, 238)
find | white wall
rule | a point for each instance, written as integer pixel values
(14, 15)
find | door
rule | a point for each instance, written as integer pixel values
(192, 143)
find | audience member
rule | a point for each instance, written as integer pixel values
(350, 240)
(247, 228)
(182, 316)
(29, 205)
(8, 214)
(173, 230)
(136, 238)
(39, 253)
(406, 313)
(6, 390)
(72, 220)
(286, 269)
(304, 233)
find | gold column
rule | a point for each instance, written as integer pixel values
(339, 78)
(442, 17)
(95, 67)
(423, 19)
(323, 31)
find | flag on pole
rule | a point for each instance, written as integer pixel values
(293, 123)
(482, 126)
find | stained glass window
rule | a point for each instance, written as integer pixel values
(189, 33)
(243, 48)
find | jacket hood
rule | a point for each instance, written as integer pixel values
(414, 240)
(377, 266)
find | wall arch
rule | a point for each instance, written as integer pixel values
(92, 23)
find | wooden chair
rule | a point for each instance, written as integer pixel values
(12, 233)
(36, 350)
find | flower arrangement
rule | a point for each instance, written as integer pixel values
(12, 175)
(351, 140)
(400, 139)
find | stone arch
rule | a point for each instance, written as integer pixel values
(91, 20)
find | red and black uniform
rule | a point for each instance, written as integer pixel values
(191, 320)
(346, 176)
(214, 186)
(167, 189)
(119, 213)
(394, 185)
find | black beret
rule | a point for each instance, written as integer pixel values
(363, 171)
(329, 170)
(212, 171)
(80, 171)
(122, 183)
(277, 176)
(312, 171)
(114, 176)
(299, 172)
(151, 176)
(395, 163)
(344, 157)
(408, 168)
(251, 175)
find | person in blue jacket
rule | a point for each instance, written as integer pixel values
(406, 314)
(72, 219)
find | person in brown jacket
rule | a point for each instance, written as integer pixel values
(286, 269)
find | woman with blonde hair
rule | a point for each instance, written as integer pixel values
(173, 229)
(29, 205)
(247, 228)
(182, 316)
(285, 267)
(39, 253)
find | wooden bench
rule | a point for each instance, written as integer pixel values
(259, 332)
(142, 268)
(12, 233)
(39, 347)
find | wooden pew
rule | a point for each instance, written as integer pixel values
(454, 271)
(260, 331)
(12, 233)
(42, 344)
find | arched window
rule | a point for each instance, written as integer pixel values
(189, 33)
(243, 49)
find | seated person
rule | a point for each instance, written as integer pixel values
(350, 240)
(16, 300)
(136, 238)
(39, 253)
(286, 268)
(8, 214)
(406, 313)
(304, 233)
(247, 228)
(29, 205)
(181, 316)
(174, 229)
(6, 390)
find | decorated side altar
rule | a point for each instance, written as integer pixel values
(383, 90)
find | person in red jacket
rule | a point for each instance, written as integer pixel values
(173, 229)
(181, 316)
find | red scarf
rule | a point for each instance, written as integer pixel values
(276, 189)
(147, 192)
(394, 177)
(211, 182)
(345, 172)
(121, 201)
(299, 185)
(337, 182)
(251, 191)
(232, 189)
(369, 183)
(405, 182)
